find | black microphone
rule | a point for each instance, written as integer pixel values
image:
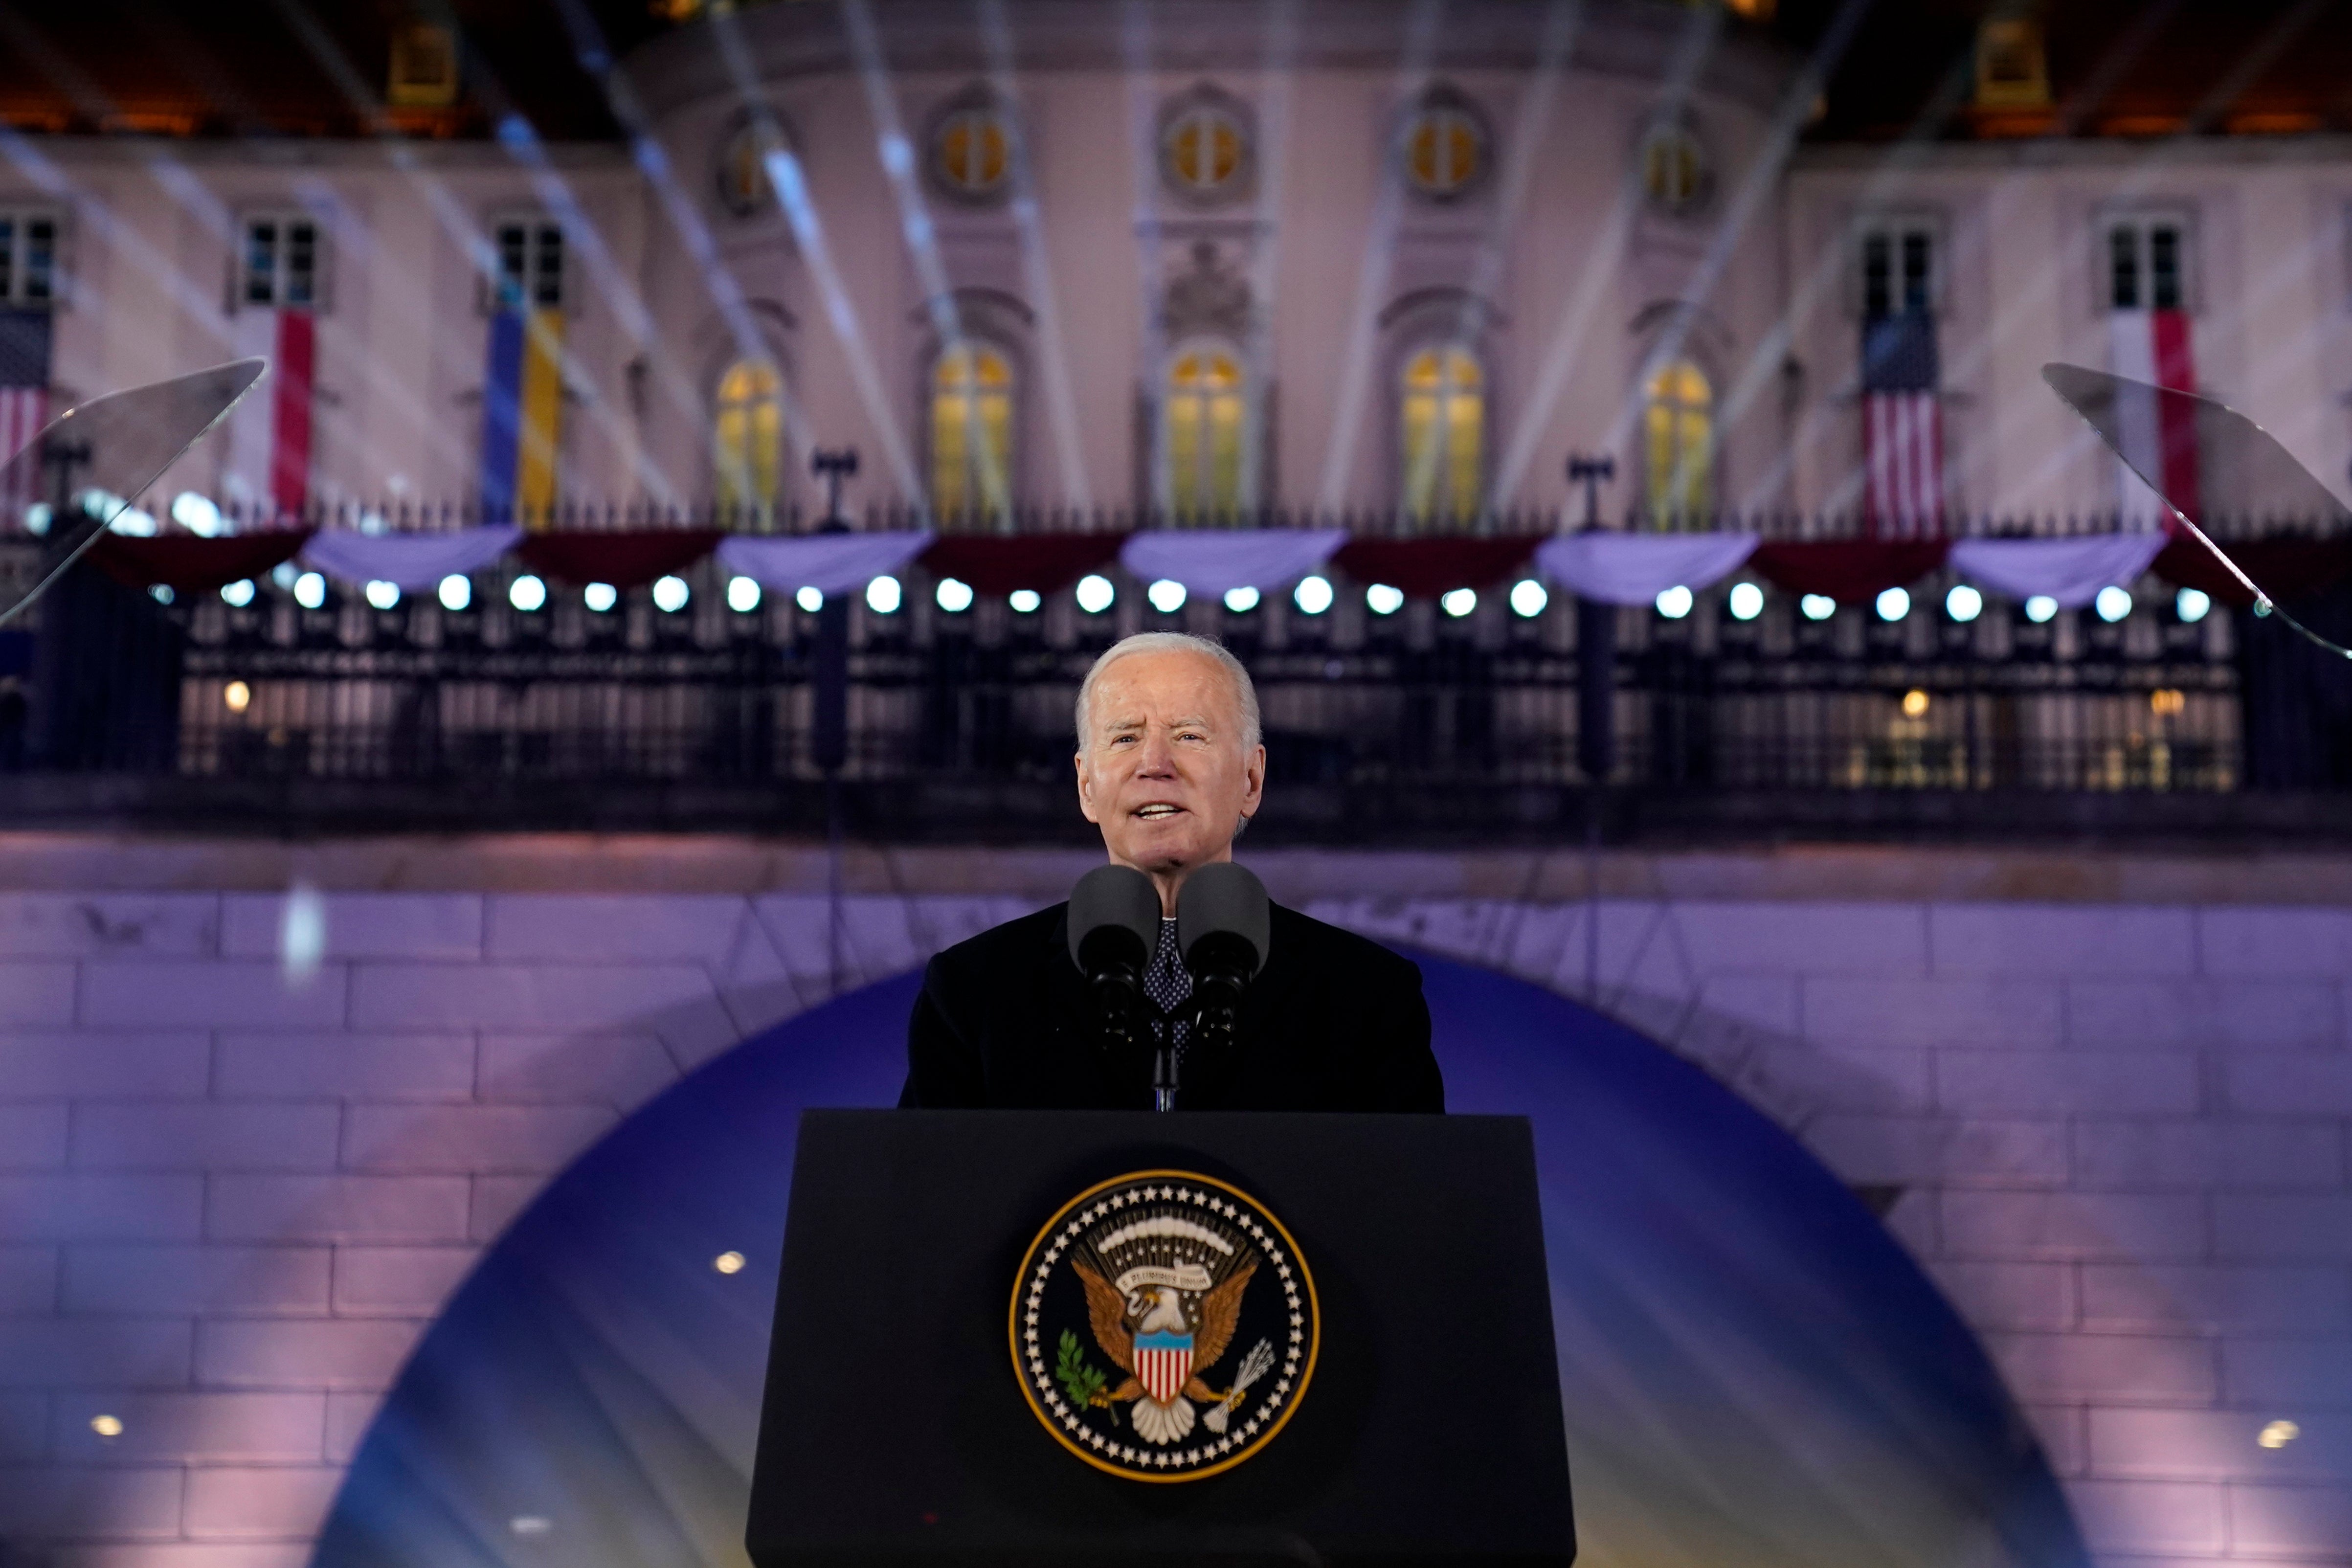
(1113, 927)
(1223, 922)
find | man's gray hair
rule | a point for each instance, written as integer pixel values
(1245, 693)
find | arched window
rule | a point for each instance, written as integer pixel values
(748, 427)
(1205, 435)
(1678, 429)
(1444, 146)
(1204, 146)
(1442, 408)
(972, 431)
(971, 152)
(1674, 169)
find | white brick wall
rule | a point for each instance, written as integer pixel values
(232, 1197)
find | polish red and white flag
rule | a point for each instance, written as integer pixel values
(2159, 436)
(267, 470)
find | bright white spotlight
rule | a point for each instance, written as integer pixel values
(1676, 602)
(1384, 600)
(669, 595)
(810, 600)
(457, 592)
(1457, 601)
(742, 595)
(954, 595)
(2191, 605)
(2040, 608)
(1963, 603)
(238, 595)
(1746, 601)
(1313, 596)
(195, 513)
(1243, 600)
(161, 592)
(883, 596)
(1167, 595)
(1528, 598)
(2113, 604)
(1096, 594)
(1893, 604)
(1817, 606)
(526, 593)
(383, 595)
(1026, 601)
(599, 597)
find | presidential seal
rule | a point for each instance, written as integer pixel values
(1164, 1326)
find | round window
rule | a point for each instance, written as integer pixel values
(971, 152)
(1205, 148)
(1445, 148)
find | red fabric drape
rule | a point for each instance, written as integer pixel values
(2288, 569)
(626, 558)
(190, 563)
(1424, 568)
(1851, 570)
(1004, 563)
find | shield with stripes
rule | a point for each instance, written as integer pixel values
(1162, 1363)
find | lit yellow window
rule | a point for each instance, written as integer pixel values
(1441, 150)
(1672, 171)
(1678, 427)
(972, 432)
(1206, 418)
(1443, 414)
(973, 152)
(1203, 149)
(749, 430)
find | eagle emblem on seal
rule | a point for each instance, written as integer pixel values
(1164, 1326)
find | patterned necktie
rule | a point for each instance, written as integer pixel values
(1168, 983)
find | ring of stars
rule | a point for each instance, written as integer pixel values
(1278, 1392)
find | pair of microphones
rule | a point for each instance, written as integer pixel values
(1222, 921)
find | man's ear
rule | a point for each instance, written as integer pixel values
(1254, 770)
(1085, 788)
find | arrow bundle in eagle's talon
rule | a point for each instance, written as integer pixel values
(1257, 1365)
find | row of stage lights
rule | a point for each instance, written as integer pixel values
(1096, 595)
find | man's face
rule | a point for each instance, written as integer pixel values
(1164, 773)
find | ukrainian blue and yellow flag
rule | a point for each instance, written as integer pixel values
(522, 399)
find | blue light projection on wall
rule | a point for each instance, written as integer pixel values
(1754, 1374)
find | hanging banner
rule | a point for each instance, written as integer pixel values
(1635, 568)
(1215, 561)
(522, 404)
(835, 565)
(267, 470)
(2070, 571)
(414, 562)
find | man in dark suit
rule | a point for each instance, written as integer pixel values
(1171, 767)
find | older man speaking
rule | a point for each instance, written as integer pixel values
(1171, 767)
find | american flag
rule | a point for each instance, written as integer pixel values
(24, 408)
(1902, 425)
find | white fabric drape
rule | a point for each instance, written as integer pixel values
(1635, 568)
(2070, 571)
(1215, 560)
(416, 563)
(832, 563)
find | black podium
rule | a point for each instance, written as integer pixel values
(1034, 1338)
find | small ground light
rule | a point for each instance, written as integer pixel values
(455, 592)
(728, 1263)
(2190, 605)
(1746, 601)
(238, 595)
(2113, 604)
(954, 595)
(1384, 600)
(883, 596)
(382, 594)
(111, 1426)
(2040, 608)
(2276, 1434)
(1457, 601)
(1892, 604)
(1167, 595)
(237, 695)
(810, 600)
(1963, 603)
(2167, 699)
(530, 1524)
(670, 595)
(1313, 596)
(599, 597)
(161, 592)
(1915, 704)
(1817, 606)
(1528, 598)
(526, 593)
(1243, 600)
(1026, 601)
(742, 595)
(1096, 594)
(1676, 602)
